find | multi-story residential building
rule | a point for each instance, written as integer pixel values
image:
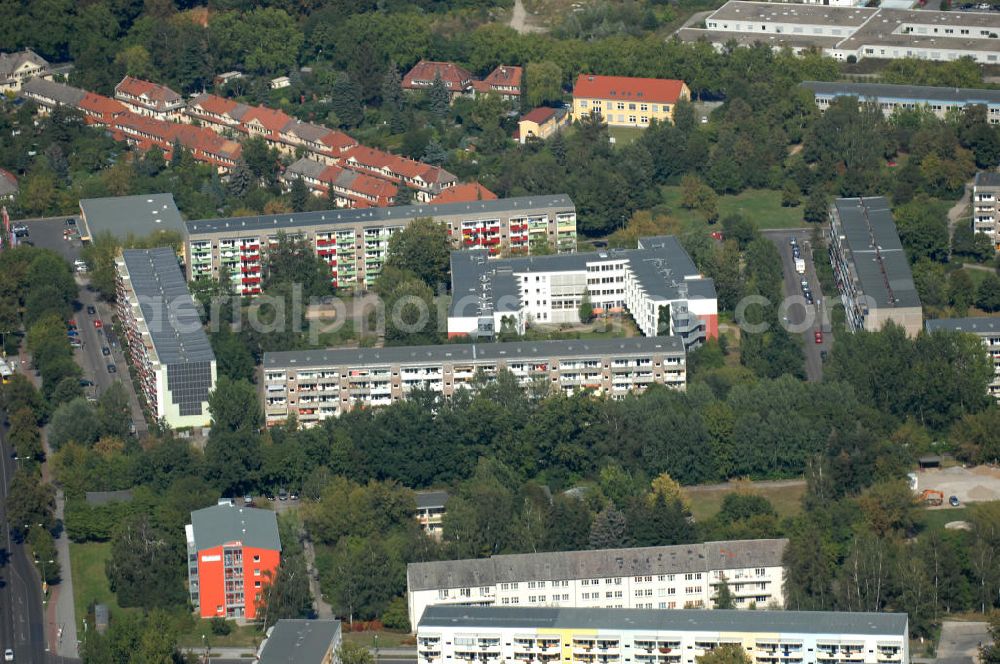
(100, 110)
(485, 635)
(347, 188)
(984, 327)
(428, 181)
(355, 242)
(853, 33)
(17, 68)
(505, 81)
(301, 642)
(49, 94)
(232, 552)
(173, 360)
(658, 284)
(871, 268)
(430, 511)
(541, 123)
(622, 101)
(986, 205)
(683, 576)
(151, 99)
(892, 98)
(455, 78)
(316, 384)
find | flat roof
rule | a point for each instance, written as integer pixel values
(668, 620)
(131, 215)
(772, 39)
(464, 352)
(216, 525)
(916, 93)
(974, 325)
(167, 307)
(780, 12)
(869, 231)
(403, 214)
(299, 641)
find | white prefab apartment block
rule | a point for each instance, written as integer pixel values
(174, 362)
(987, 329)
(684, 576)
(485, 635)
(985, 205)
(892, 98)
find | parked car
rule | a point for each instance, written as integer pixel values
(98, 324)
(91, 310)
(282, 494)
(70, 221)
(112, 369)
(819, 336)
(792, 241)
(8, 655)
(823, 355)
(105, 351)
(86, 383)
(248, 500)
(953, 501)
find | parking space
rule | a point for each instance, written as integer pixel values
(49, 233)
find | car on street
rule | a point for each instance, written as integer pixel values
(91, 310)
(293, 496)
(8, 655)
(818, 336)
(112, 369)
(248, 500)
(953, 501)
(823, 355)
(98, 324)
(105, 351)
(70, 221)
(792, 241)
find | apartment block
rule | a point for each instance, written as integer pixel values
(986, 205)
(301, 642)
(622, 101)
(152, 99)
(683, 576)
(608, 636)
(431, 507)
(173, 360)
(984, 327)
(892, 98)
(354, 242)
(313, 385)
(872, 270)
(657, 283)
(232, 552)
(844, 32)
(426, 180)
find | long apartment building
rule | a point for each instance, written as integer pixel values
(892, 98)
(147, 98)
(607, 636)
(313, 385)
(173, 360)
(984, 327)
(355, 242)
(657, 283)
(853, 32)
(347, 188)
(872, 270)
(986, 205)
(683, 576)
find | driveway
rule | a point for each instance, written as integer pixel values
(970, 485)
(960, 641)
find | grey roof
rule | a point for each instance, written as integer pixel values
(773, 39)
(402, 214)
(767, 12)
(911, 93)
(661, 265)
(131, 215)
(568, 565)
(987, 179)
(216, 525)
(106, 497)
(11, 61)
(300, 641)
(839, 623)
(428, 499)
(307, 167)
(979, 325)
(883, 269)
(306, 130)
(462, 352)
(167, 307)
(59, 92)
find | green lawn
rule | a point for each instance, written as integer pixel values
(386, 639)
(706, 501)
(762, 206)
(90, 584)
(241, 636)
(624, 135)
(935, 519)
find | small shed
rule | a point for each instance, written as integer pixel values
(929, 461)
(101, 617)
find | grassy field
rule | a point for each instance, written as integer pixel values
(90, 584)
(386, 639)
(625, 135)
(242, 636)
(707, 500)
(762, 206)
(935, 519)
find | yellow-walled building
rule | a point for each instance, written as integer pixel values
(622, 101)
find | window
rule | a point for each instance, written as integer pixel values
(583, 103)
(531, 584)
(541, 584)
(443, 593)
(256, 572)
(607, 594)
(256, 558)
(760, 571)
(631, 107)
(465, 592)
(504, 586)
(618, 593)
(485, 590)
(644, 119)
(256, 584)
(631, 119)
(643, 107)
(621, 106)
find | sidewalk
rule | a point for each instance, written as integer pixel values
(323, 610)
(60, 613)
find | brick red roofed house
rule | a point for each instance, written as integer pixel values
(429, 181)
(152, 99)
(421, 77)
(207, 146)
(350, 188)
(217, 113)
(627, 102)
(505, 81)
(265, 122)
(465, 193)
(8, 185)
(319, 140)
(541, 123)
(101, 110)
(144, 132)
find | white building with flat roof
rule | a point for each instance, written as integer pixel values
(684, 576)
(987, 328)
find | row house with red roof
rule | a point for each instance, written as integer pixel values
(427, 180)
(350, 188)
(505, 80)
(152, 99)
(100, 110)
(145, 132)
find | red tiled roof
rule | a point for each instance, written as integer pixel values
(424, 72)
(102, 105)
(8, 176)
(624, 88)
(206, 140)
(465, 193)
(153, 91)
(214, 104)
(504, 76)
(269, 118)
(539, 115)
(338, 140)
(160, 129)
(401, 166)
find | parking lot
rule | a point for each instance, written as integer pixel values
(969, 485)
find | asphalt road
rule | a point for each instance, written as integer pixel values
(22, 621)
(803, 318)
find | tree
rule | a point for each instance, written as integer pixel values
(422, 249)
(961, 291)
(346, 102)
(988, 294)
(293, 263)
(299, 195)
(351, 652)
(723, 595)
(396, 616)
(264, 40)
(543, 82)
(817, 207)
(30, 503)
(438, 97)
(286, 595)
(568, 524)
(586, 308)
(392, 89)
(114, 413)
(241, 180)
(234, 406)
(725, 653)
(145, 567)
(608, 529)
(434, 153)
(75, 421)
(790, 195)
